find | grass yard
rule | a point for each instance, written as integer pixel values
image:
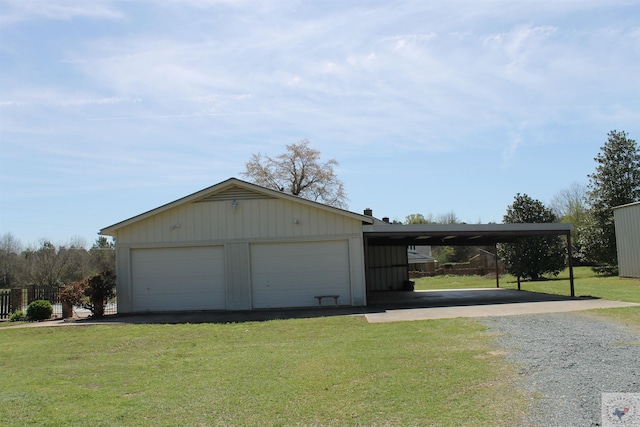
(586, 283)
(326, 371)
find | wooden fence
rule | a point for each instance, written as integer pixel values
(14, 299)
(5, 303)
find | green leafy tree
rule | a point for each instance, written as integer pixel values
(298, 171)
(443, 253)
(615, 182)
(532, 257)
(102, 255)
(417, 218)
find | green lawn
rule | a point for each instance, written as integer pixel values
(326, 371)
(586, 283)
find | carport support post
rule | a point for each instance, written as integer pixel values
(495, 247)
(518, 260)
(570, 253)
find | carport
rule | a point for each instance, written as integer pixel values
(385, 243)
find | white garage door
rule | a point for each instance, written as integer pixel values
(170, 279)
(291, 274)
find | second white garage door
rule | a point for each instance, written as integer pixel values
(291, 274)
(171, 279)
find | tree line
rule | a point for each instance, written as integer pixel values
(50, 264)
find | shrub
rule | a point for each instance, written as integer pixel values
(39, 310)
(73, 294)
(18, 316)
(92, 292)
(100, 289)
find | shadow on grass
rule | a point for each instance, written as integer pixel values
(377, 302)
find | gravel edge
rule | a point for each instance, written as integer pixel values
(566, 361)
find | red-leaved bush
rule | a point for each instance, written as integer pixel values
(92, 292)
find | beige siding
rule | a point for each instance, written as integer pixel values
(262, 219)
(627, 223)
(357, 274)
(238, 267)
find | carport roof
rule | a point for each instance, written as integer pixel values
(458, 234)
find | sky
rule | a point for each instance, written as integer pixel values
(112, 108)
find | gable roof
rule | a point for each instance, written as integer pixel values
(231, 189)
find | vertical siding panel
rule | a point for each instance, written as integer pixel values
(321, 223)
(281, 211)
(298, 214)
(254, 219)
(190, 213)
(331, 224)
(262, 219)
(340, 224)
(238, 286)
(204, 229)
(627, 226)
(206, 221)
(269, 220)
(312, 219)
(196, 209)
(220, 222)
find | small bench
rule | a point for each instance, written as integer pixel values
(320, 297)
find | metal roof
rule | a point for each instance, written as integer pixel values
(458, 234)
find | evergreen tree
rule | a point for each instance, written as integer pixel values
(532, 257)
(615, 182)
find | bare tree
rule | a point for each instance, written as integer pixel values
(300, 172)
(51, 265)
(11, 265)
(570, 202)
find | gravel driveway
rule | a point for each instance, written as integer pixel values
(566, 361)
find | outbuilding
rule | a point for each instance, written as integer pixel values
(627, 224)
(239, 246)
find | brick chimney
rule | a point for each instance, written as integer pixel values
(368, 212)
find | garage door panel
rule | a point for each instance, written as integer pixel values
(169, 279)
(291, 274)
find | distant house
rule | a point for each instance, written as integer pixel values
(486, 261)
(627, 224)
(420, 258)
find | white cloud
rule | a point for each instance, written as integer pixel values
(16, 11)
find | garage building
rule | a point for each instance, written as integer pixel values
(239, 246)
